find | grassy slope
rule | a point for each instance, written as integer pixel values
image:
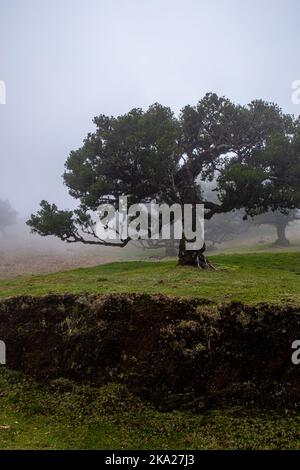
(251, 278)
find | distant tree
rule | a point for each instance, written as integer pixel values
(224, 227)
(152, 155)
(8, 216)
(170, 246)
(280, 221)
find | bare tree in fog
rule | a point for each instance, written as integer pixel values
(8, 216)
(280, 221)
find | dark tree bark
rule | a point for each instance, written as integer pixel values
(194, 258)
(281, 236)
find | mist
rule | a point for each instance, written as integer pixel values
(65, 61)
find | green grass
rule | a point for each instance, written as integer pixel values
(63, 415)
(250, 278)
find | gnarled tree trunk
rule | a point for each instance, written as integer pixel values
(194, 258)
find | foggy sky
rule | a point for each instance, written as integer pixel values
(66, 61)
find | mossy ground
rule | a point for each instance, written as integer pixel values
(63, 415)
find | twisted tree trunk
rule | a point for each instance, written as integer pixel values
(194, 258)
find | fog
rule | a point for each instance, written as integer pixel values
(66, 61)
